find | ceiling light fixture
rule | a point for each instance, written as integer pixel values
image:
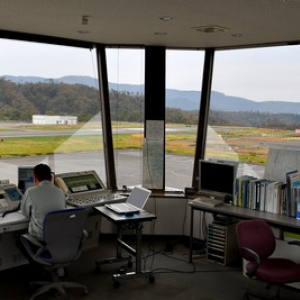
(85, 20)
(167, 19)
(210, 29)
(83, 31)
(236, 35)
(160, 33)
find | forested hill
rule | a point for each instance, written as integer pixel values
(19, 101)
(186, 100)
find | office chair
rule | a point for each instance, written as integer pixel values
(257, 243)
(64, 235)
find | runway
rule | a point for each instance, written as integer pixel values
(129, 167)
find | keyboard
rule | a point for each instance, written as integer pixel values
(122, 207)
(211, 202)
(96, 200)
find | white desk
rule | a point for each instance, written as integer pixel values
(13, 222)
(11, 227)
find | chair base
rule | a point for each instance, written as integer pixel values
(58, 287)
(273, 293)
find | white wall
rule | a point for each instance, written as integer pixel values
(173, 217)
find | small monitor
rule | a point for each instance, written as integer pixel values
(217, 179)
(85, 181)
(25, 178)
(13, 194)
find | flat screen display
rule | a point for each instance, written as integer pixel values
(83, 183)
(25, 178)
(217, 179)
(13, 194)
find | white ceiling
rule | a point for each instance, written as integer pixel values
(135, 22)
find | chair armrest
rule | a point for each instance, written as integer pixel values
(85, 235)
(297, 243)
(255, 259)
(28, 241)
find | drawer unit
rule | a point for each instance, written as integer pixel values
(222, 243)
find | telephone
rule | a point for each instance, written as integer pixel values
(10, 197)
(61, 184)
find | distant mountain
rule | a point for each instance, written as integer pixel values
(185, 100)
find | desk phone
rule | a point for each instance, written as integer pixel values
(10, 197)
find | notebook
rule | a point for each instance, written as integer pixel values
(134, 203)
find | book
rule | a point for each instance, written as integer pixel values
(293, 181)
(273, 197)
(241, 190)
(289, 193)
(279, 191)
(262, 200)
(296, 200)
(270, 196)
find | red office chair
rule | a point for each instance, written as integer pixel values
(257, 243)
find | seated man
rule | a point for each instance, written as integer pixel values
(41, 199)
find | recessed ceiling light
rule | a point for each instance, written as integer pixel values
(83, 31)
(236, 35)
(85, 20)
(167, 18)
(210, 29)
(160, 33)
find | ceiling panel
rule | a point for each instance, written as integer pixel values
(138, 22)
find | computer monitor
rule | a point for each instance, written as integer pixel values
(80, 182)
(25, 178)
(217, 179)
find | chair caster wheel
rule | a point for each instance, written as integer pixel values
(151, 279)
(85, 292)
(245, 297)
(98, 269)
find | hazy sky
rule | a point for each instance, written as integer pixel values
(257, 74)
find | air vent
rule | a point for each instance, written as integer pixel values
(210, 29)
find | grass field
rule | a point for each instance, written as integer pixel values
(244, 144)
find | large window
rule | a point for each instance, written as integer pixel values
(126, 82)
(49, 109)
(254, 105)
(183, 80)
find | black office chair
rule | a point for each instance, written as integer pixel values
(256, 244)
(64, 235)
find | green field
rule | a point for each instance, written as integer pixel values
(244, 144)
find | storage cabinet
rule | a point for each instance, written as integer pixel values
(222, 243)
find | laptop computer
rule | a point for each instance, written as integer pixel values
(134, 203)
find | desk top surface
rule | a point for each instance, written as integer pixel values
(247, 213)
(13, 218)
(142, 216)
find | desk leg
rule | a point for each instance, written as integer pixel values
(191, 235)
(119, 257)
(137, 252)
(139, 229)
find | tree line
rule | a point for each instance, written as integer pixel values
(19, 101)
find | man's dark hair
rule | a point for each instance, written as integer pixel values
(42, 172)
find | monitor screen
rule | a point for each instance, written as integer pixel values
(217, 178)
(13, 194)
(25, 178)
(82, 182)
